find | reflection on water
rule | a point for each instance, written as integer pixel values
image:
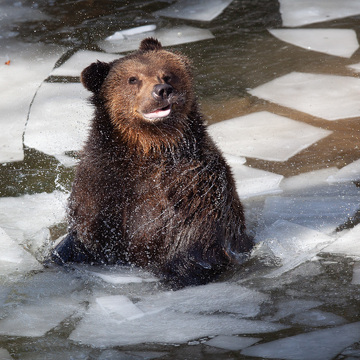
(311, 299)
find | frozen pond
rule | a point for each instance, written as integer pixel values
(279, 84)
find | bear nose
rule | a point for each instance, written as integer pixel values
(162, 91)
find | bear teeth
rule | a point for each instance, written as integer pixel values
(160, 113)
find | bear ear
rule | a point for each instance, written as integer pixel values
(94, 75)
(150, 44)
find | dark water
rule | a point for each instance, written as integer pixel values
(242, 55)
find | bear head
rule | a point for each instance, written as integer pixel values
(147, 94)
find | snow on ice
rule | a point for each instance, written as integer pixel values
(315, 345)
(330, 97)
(298, 13)
(246, 136)
(338, 42)
(195, 10)
(167, 37)
(70, 115)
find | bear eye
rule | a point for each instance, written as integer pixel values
(133, 80)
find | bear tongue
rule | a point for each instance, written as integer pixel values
(160, 113)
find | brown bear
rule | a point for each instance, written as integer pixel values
(151, 188)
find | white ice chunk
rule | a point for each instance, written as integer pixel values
(232, 343)
(348, 244)
(4, 355)
(264, 135)
(316, 345)
(195, 10)
(292, 307)
(124, 276)
(59, 119)
(35, 320)
(101, 330)
(292, 244)
(356, 274)
(298, 13)
(29, 65)
(167, 37)
(330, 97)
(211, 298)
(349, 172)
(123, 34)
(25, 216)
(233, 160)
(338, 42)
(318, 212)
(355, 67)
(255, 182)
(80, 60)
(317, 318)
(14, 258)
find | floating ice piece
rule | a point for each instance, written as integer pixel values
(14, 258)
(29, 65)
(167, 37)
(232, 343)
(80, 60)
(298, 13)
(349, 172)
(292, 307)
(36, 320)
(59, 120)
(356, 274)
(330, 97)
(123, 276)
(338, 42)
(316, 318)
(100, 330)
(195, 10)
(316, 345)
(25, 216)
(4, 355)
(264, 135)
(254, 182)
(355, 67)
(348, 244)
(123, 34)
(292, 244)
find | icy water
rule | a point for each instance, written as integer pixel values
(279, 84)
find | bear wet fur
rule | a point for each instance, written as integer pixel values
(151, 188)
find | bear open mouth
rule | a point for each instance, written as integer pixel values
(159, 113)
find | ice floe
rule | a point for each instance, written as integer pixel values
(293, 307)
(317, 318)
(29, 65)
(298, 13)
(195, 10)
(356, 274)
(329, 97)
(80, 60)
(37, 319)
(59, 120)
(124, 34)
(315, 345)
(349, 172)
(355, 67)
(291, 244)
(338, 42)
(168, 37)
(264, 135)
(348, 244)
(4, 355)
(232, 343)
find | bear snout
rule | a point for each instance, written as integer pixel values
(162, 92)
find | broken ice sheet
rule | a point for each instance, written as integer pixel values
(298, 13)
(264, 135)
(167, 37)
(337, 42)
(349, 172)
(29, 65)
(316, 345)
(59, 120)
(4, 355)
(37, 319)
(80, 60)
(317, 318)
(124, 275)
(14, 258)
(356, 274)
(232, 343)
(348, 244)
(292, 244)
(195, 10)
(330, 97)
(355, 67)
